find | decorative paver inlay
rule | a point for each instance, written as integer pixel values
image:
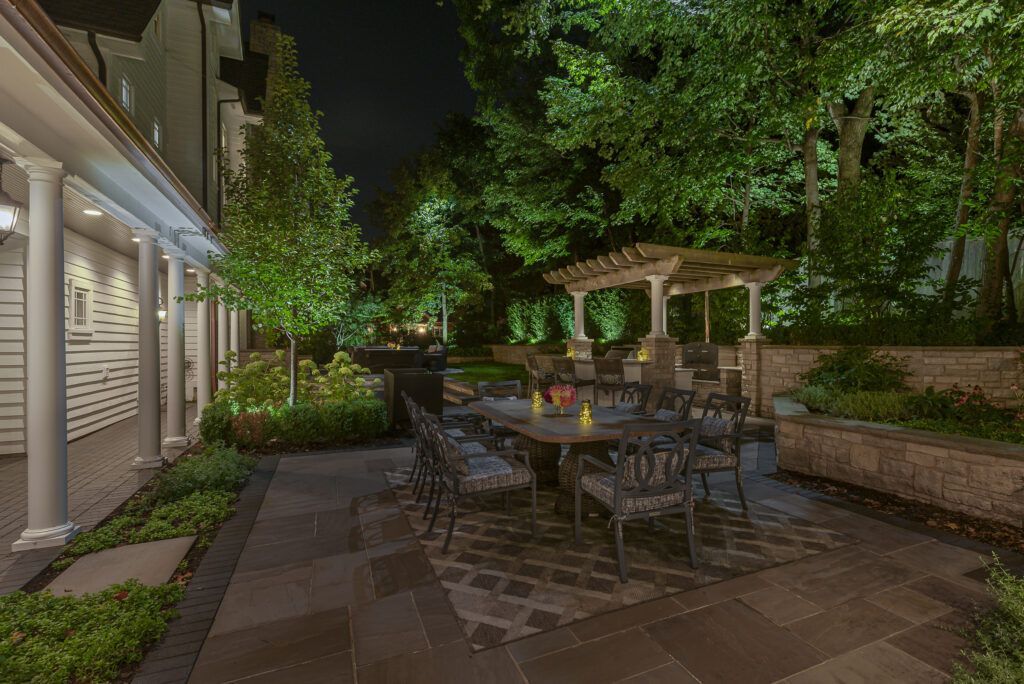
(505, 585)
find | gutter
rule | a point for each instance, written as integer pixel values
(101, 63)
(35, 27)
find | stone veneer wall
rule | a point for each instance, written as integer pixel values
(993, 368)
(517, 353)
(979, 477)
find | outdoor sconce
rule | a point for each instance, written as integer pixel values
(586, 413)
(643, 354)
(537, 400)
(161, 312)
(10, 208)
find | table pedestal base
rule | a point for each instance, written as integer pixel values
(543, 459)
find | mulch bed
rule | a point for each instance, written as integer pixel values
(990, 532)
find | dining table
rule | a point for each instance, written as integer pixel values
(542, 431)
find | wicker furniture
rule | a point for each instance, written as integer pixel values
(462, 474)
(654, 479)
(609, 376)
(721, 432)
(542, 434)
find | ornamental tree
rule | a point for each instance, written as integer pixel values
(293, 253)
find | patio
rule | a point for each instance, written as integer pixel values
(336, 582)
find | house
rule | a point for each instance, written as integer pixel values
(115, 116)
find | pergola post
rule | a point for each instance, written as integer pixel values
(46, 427)
(754, 292)
(657, 304)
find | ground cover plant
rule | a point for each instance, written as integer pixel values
(997, 656)
(58, 639)
(859, 384)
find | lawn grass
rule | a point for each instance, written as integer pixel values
(490, 372)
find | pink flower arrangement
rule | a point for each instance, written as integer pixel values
(561, 396)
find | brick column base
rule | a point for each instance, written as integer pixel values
(660, 370)
(751, 364)
(578, 346)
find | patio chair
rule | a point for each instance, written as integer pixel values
(565, 373)
(674, 404)
(540, 379)
(471, 424)
(609, 376)
(498, 391)
(721, 431)
(650, 482)
(463, 475)
(634, 398)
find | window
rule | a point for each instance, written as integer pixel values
(127, 93)
(80, 308)
(156, 133)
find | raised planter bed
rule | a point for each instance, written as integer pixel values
(979, 477)
(517, 353)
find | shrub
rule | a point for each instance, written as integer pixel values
(518, 324)
(60, 639)
(878, 407)
(858, 369)
(215, 423)
(998, 653)
(298, 425)
(216, 469)
(608, 310)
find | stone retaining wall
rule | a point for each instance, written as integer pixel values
(979, 477)
(993, 368)
(517, 353)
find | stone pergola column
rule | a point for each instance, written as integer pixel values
(223, 336)
(754, 293)
(204, 391)
(657, 304)
(149, 455)
(176, 436)
(46, 427)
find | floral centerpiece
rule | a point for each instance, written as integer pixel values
(561, 397)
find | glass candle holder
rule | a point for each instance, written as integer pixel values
(586, 413)
(537, 399)
(643, 355)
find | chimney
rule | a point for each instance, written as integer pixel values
(263, 34)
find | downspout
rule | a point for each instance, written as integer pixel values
(220, 160)
(101, 64)
(206, 125)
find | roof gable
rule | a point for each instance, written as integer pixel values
(125, 19)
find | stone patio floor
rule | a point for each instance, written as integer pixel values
(100, 478)
(331, 586)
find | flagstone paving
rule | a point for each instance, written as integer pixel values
(333, 585)
(151, 563)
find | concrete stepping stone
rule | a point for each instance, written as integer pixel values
(151, 563)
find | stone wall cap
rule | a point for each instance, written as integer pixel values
(789, 409)
(893, 348)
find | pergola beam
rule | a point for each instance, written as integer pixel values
(725, 282)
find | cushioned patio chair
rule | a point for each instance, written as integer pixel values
(501, 390)
(674, 404)
(462, 425)
(653, 480)
(721, 433)
(634, 398)
(463, 475)
(609, 376)
(540, 379)
(565, 373)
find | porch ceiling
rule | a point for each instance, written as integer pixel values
(686, 270)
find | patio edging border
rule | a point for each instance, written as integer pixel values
(171, 660)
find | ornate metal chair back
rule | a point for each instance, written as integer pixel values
(727, 407)
(637, 394)
(609, 372)
(679, 401)
(656, 464)
(565, 369)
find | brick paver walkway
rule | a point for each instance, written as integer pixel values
(100, 478)
(333, 586)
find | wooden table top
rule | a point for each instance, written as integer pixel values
(542, 425)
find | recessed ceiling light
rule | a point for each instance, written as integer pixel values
(136, 240)
(92, 212)
(191, 270)
(166, 256)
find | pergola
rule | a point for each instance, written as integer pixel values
(666, 271)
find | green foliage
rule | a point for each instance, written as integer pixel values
(473, 373)
(517, 317)
(607, 308)
(50, 639)
(198, 513)
(293, 253)
(217, 468)
(998, 653)
(857, 369)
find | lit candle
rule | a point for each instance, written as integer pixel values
(586, 417)
(537, 399)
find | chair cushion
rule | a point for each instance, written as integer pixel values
(607, 379)
(714, 427)
(601, 486)
(709, 458)
(492, 472)
(666, 415)
(626, 407)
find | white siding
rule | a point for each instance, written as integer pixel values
(12, 348)
(148, 77)
(183, 149)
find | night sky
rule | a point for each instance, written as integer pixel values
(384, 73)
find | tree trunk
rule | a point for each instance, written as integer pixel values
(745, 214)
(972, 154)
(293, 371)
(809, 149)
(444, 319)
(852, 126)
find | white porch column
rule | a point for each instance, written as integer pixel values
(176, 436)
(657, 304)
(149, 353)
(204, 393)
(46, 415)
(223, 337)
(578, 314)
(234, 335)
(754, 291)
